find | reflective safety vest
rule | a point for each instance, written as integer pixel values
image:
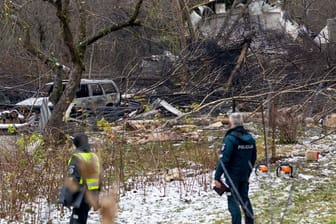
(88, 160)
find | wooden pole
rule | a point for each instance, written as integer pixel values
(186, 13)
(265, 134)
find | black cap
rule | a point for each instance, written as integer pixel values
(81, 141)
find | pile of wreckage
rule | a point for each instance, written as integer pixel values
(13, 118)
(144, 127)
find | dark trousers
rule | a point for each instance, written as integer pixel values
(80, 215)
(234, 203)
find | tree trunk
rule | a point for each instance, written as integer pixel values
(56, 121)
(180, 24)
(57, 90)
(186, 11)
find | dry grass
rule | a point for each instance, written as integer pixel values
(27, 175)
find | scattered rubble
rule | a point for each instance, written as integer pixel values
(11, 116)
(173, 175)
(14, 119)
(312, 155)
(330, 121)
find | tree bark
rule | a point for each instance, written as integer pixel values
(186, 13)
(56, 119)
(180, 24)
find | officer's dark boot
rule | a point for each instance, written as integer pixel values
(75, 222)
(80, 215)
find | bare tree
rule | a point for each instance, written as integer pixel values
(72, 18)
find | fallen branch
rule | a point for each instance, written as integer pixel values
(318, 139)
(240, 61)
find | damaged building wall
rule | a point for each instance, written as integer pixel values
(331, 24)
(327, 34)
(261, 15)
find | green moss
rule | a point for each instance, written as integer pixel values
(180, 209)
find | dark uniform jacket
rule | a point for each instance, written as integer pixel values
(238, 154)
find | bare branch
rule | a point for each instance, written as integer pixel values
(295, 89)
(186, 10)
(82, 20)
(29, 45)
(63, 15)
(136, 12)
(132, 21)
(240, 60)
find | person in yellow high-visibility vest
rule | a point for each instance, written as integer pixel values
(84, 172)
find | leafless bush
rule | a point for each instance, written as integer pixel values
(27, 176)
(289, 122)
(135, 166)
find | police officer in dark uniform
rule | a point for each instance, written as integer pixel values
(84, 173)
(238, 156)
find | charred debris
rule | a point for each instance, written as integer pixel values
(252, 53)
(240, 58)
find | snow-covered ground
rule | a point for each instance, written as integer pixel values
(309, 197)
(186, 202)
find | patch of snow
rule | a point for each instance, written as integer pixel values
(306, 177)
(174, 202)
